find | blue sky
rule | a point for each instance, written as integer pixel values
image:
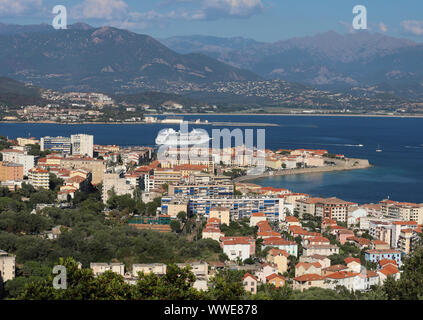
(263, 20)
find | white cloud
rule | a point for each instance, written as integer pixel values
(413, 27)
(100, 9)
(217, 9)
(18, 7)
(117, 12)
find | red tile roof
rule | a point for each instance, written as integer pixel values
(309, 277)
(249, 275)
(351, 259)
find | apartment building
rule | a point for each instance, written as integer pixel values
(307, 206)
(26, 141)
(377, 255)
(7, 266)
(100, 268)
(221, 213)
(333, 208)
(96, 167)
(10, 171)
(405, 240)
(82, 144)
(147, 268)
(118, 184)
(160, 177)
(240, 207)
(57, 144)
(402, 210)
(39, 178)
(389, 231)
(204, 190)
(19, 157)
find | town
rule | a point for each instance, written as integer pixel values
(275, 96)
(272, 237)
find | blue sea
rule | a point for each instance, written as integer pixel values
(397, 171)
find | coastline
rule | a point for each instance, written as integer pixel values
(211, 123)
(362, 164)
(223, 114)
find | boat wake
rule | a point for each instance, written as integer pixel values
(334, 144)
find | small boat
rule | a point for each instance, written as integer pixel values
(378, 149)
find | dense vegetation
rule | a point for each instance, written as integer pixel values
(177, 284)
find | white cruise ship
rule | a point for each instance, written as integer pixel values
(172, 137)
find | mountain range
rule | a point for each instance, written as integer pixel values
(328, 60)
(113, 60)
(104, 59)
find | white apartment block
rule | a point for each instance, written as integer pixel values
(39, 178)
(100, 268)
(82, 144)
(147, 268)
(19, 157)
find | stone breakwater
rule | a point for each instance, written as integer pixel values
(339, 165)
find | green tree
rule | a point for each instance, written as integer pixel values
(182, 215)
(175, 225)
(410, 284)
(227, 285)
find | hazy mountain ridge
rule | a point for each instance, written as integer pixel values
(104, 58)
(329, 60)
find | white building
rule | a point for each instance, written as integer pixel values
(355, 214)
(7, 266)
(39, 178)
(235, 249)
(120, 185)
(100, 268)
(19, 157)
(82, 144)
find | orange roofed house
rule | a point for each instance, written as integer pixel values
(238, 247)
(276, 279)
(250, 283)
(279, 258)
(307, 281)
